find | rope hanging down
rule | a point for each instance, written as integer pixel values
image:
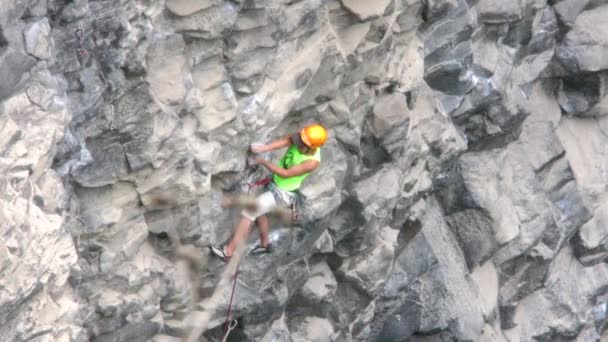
(228, 324)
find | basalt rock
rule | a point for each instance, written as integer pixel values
(461, 195)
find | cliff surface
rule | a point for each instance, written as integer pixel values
(462, 195)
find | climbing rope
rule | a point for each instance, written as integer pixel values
(228, 325)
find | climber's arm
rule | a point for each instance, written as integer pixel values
(296, 170)
(275, 145)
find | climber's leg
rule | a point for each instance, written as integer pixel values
(264, 227)
(240, 235)
(264, 204)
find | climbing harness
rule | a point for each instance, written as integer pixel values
(295, 203)
(261, 182)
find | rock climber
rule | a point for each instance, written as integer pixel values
(303, 156)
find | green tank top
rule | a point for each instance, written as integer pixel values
(292, 157)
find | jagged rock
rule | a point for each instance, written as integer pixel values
(582, 50)
(131, 332)
(541, 143)
(50, 193)
(106, 206)
(123, 245)
(584, 95)
(389, 123)
(34, 269)
(495, 11)
(164, 338)
(35, 260)
(75, 10)
(329, 74)
(545, 29)
(589, 333)
(486, 278)
(321, 285)
(278, 332)
(406, 67)
(505, 227)
(585, 156)
(568, 10)
(38, 40)
(167, 61)
(123, 123)
(589, 244)
(325, 243)
(491, 334)
(209, 74)
(45, 91)
(109, 164)
(377, 192)
(365, 10)
(435, 266)
(37, 8)
(317, 294)
(447, 52)
(369, 269)
(473, 229)
(562, 305)
(187, 7)
(437, 8)
(14, 66)
(313, 329)
(209, 23)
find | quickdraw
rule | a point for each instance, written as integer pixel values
(82, 51)
(229, 329)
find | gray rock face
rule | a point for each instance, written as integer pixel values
(585, 45)
(461, 195)
(495, 11)
(366, 10)
(184, 7)
(38, 40)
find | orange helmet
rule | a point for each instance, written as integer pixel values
(313, 136)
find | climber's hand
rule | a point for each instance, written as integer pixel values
(259, 160)
(256, 161)
(257, 148)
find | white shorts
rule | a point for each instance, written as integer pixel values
(267, 202)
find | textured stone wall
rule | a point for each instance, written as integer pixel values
(462, 195)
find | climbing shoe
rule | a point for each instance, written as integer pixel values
(259, 249)
(220, 251)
